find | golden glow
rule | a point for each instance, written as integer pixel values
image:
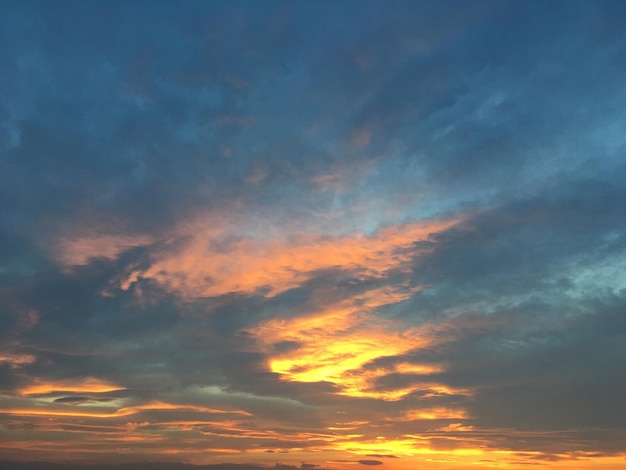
(84, 385)
(336, 342)
(331, 361)
(434, 413)
(333, 357)
(347, 426)
(419, 369)
(398, 447)
(456, 427)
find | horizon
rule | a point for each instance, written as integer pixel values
(313, 235)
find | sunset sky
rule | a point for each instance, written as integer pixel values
(330, 235)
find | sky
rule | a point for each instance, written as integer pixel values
(324, 235)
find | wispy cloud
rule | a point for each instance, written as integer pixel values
(205, 260)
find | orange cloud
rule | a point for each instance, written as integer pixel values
(208, 260)
(99, 412)
(456, 427)
(158, 405)
(16, 360)
(59, 412)
(82, 385)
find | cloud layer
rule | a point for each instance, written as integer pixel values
(313, 236)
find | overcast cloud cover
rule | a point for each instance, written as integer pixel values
(328, 235)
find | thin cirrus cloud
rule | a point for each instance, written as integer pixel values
(279, 235)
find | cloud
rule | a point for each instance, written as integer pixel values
(209, 261)
(79, 251)
(370, 462)
(88, 384)
(81, 400)
(315, 234)
(17, 360)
